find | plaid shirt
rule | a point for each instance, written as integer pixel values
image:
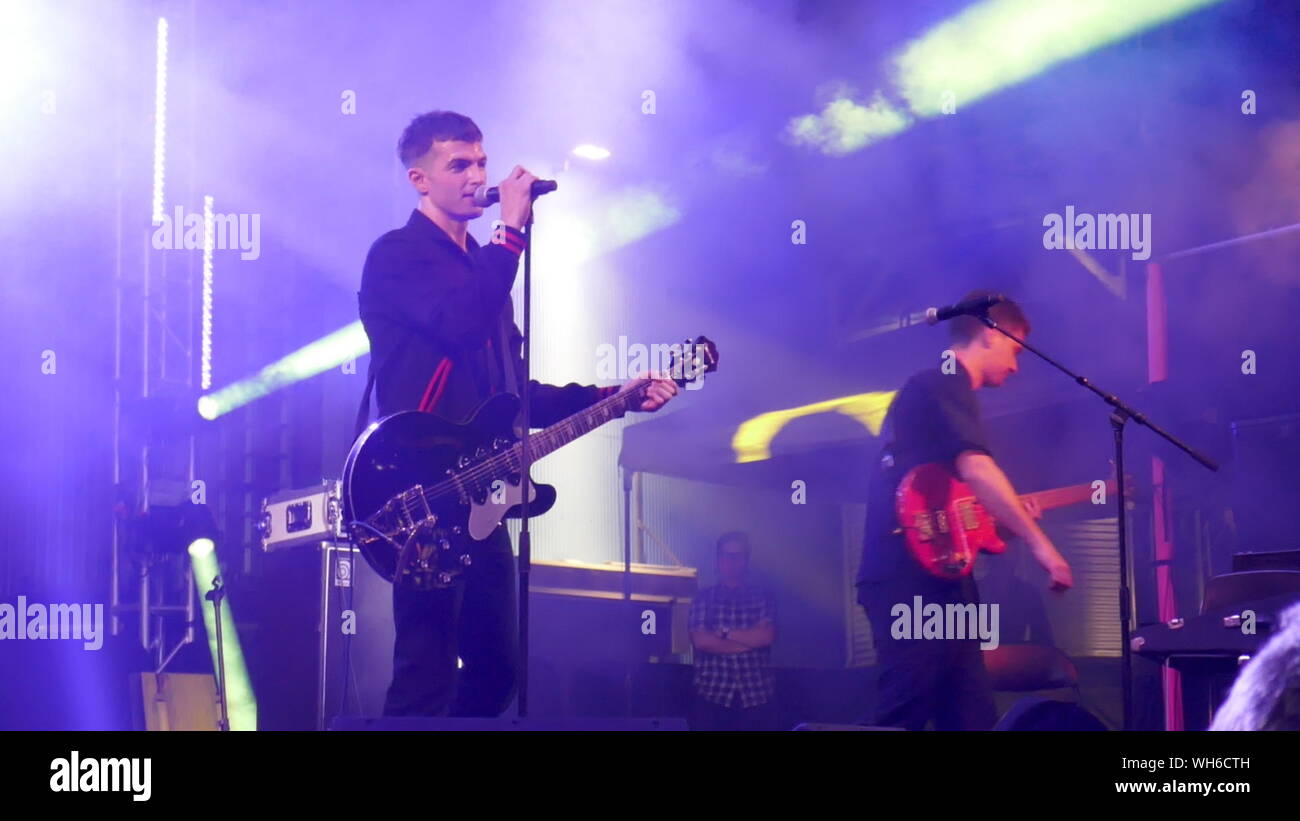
(746, 677)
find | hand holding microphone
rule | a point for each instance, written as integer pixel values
(516, 193)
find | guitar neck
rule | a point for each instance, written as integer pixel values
(579, 424)
(1063, 496)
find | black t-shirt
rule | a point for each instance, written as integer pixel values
(934, 418)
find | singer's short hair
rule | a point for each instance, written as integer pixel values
(1008, 314)
(434, 126)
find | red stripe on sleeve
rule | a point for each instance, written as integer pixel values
(437, 384)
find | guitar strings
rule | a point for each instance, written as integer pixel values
(494, 463)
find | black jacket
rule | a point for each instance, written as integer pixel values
(435, 316)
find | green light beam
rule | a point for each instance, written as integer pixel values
(986, 47)
(241, 705)
(343, 345)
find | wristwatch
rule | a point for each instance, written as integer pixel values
(726, 631)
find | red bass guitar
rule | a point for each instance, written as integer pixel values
(944, 525)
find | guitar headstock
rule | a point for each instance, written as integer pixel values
(695, 359)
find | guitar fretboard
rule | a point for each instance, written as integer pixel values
(1064, 496)
(579, 424)
(478, 479)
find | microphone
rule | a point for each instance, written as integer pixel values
(484, 196)
(971, 307)
(217, 592)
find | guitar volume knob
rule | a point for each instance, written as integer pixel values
(465, 560)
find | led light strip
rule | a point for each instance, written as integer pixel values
(208, 242)
(160, 121)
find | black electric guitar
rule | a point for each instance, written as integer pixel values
(418, 491)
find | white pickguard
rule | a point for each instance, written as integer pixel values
(484, 518)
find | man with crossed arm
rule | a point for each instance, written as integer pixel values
(732, 627)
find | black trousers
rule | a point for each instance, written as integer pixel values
(708, 715)
(924, 680)
(475, 620)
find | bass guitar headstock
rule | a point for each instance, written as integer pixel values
(692, 361)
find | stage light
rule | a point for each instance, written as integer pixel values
(753, 438)
(206, 348)
(984, 48)
(20, 57)
(159, 119)
(344, 345)
(208, 408)
(201, 548)
(591, 152)
(999, 43)
(170, 529)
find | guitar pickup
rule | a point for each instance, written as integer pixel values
(941, 517)
(924, 527)
(969, 521)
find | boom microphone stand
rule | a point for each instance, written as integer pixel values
(215, 595)
(1121, 413)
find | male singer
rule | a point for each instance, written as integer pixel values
(437, 309)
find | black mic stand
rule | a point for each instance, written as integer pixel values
(215, 595)
(525, 463)
(1120, 414)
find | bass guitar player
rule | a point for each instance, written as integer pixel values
(934, 422)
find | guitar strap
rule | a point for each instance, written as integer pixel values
(372, 373)
(504, 359)
(363, 412)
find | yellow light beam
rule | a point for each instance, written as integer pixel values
(753, 438)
